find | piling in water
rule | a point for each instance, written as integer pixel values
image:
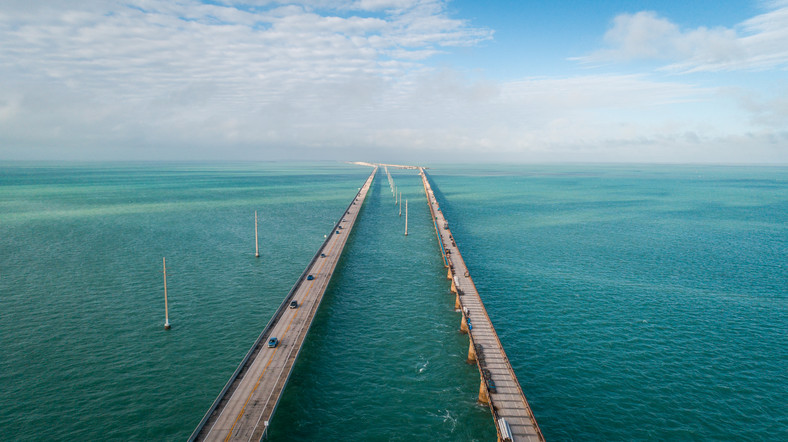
(256, 248)
(166, 310)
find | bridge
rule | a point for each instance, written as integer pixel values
(498, 387)
(246, 404)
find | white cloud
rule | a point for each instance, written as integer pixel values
(155, 71)
(770, 112)
(758, 43)
(152, 42)
(155, 79)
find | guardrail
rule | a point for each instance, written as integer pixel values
(309, 327)
(274, 318)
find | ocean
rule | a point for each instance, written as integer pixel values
(634, 302)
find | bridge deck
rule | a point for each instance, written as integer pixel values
(246, 404)
(508, 400)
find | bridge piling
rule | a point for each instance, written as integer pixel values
(498, 388)
(484, 397)
(256, 247)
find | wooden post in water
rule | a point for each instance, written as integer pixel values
(166, 310)
(406, 217)
(256, 248)
(400, 204)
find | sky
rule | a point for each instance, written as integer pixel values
(402, 81)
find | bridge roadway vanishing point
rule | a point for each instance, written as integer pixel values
(499, 387)
(248, 400)
(243, 408)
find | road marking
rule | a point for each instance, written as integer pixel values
(270, 359)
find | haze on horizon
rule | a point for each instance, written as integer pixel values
(407, 81)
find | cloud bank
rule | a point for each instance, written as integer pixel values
(352, 80)
(756, 44)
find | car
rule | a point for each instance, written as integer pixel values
(294, 304)
(310, 277)
(273, 342)
(322, 255)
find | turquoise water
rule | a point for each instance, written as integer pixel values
(384, 359)
(635, 303)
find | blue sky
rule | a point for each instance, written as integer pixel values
(395, 80)
(538, 38)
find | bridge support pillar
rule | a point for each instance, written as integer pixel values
(464, 324)
(453, 287)
(449, 275)
(457, 304)
(483, 396)
(471, 353)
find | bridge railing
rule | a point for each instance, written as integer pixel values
(509, 367)
(284, 305)
(336, 226)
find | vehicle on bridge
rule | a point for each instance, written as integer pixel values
(273, 342)
(310, 277)
(294, 304)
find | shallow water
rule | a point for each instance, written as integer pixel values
(634, 302)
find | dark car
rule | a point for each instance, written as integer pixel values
(294, 304)
(273, 342)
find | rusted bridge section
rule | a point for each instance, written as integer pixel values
(499, 387)
(248, 401)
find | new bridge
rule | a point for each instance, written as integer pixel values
(247, 403)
